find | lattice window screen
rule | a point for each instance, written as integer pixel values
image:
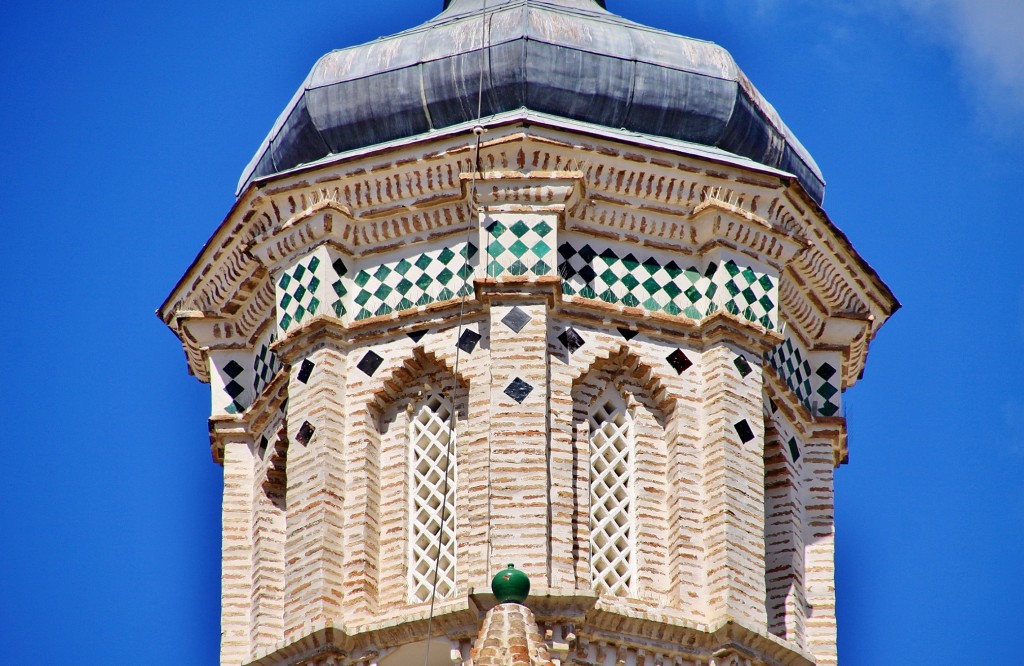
(429, 434)
(611, 496)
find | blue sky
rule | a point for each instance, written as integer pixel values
(126, 125)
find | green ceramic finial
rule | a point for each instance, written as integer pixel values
(510, 586)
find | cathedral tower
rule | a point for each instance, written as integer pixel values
(528, 284)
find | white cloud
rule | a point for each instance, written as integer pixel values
(988, 38)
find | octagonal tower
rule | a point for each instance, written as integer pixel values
(601, 330)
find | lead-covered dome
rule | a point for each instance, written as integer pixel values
(567, 58)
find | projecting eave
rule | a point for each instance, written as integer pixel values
(523, 115)
(529, 117)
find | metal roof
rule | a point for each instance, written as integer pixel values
(567, 58)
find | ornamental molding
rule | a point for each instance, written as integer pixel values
(420, 193)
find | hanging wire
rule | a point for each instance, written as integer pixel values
(474, 213)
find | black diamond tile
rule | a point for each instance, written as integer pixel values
(306, 370)
(371, 361)
(416, 336)
(679, 361)
(233, 369)
(826, 371)
(468, 340)
(518, 390)
(234, 389)
(744, 431)
(339, 267)
(794, 449)
(628, 334)
(516, 319)
(305, 433)
(742, 365)
(571, 340)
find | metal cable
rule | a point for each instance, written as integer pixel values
(478, 130)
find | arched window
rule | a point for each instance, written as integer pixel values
(612, 532)
(432, 499)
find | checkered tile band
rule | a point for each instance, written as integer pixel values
(659, 282)
(818, 389)
(297, 292)
(516, 248)
(431, 277)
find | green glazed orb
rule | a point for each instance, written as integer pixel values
(510, 586)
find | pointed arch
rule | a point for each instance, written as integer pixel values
(418, 494)
(621, 423)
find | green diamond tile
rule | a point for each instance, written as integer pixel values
(652, 286)
(542, 229)
(403, 267)
(630, 282)
(446, 256)
(518, 249)
(495, 249)
(424, 281)
(519, 229)
(540, 248)
(423, 262)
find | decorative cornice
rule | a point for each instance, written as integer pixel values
(641, 195)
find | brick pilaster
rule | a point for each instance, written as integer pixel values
(236, 553)
(314, 553)
(519, 439)
(734, 486)
(820, 551)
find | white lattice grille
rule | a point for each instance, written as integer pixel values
(611, 496)
(429, 434)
